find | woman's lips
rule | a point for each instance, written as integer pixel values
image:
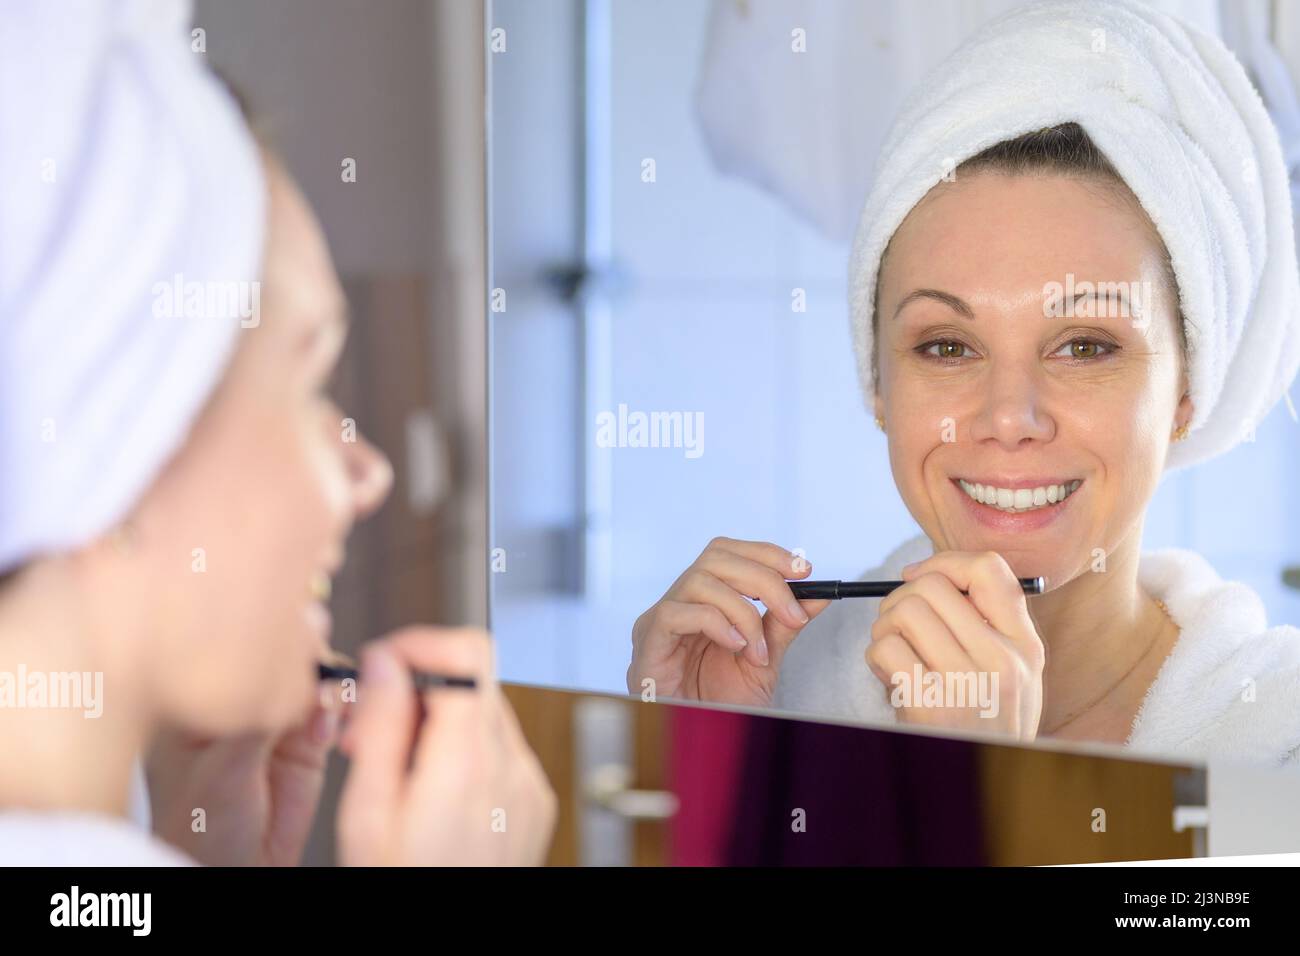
(1014, 523)
(319, 621)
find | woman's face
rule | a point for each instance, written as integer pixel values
(258, 502)
(979, 381)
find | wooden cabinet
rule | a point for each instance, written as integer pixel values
(918, 799)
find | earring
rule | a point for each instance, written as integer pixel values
(320, 586)
(1180, 433)
(880, 423)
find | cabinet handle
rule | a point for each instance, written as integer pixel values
(1191, 818)
(608, 786)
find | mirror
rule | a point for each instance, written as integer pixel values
(673, 192)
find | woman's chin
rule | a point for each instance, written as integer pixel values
(285, 704)
(280, 694)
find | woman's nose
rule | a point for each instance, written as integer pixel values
(1012, 411)
(370, 474)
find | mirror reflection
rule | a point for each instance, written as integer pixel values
(795, 292)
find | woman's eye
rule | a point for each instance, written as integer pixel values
(1084, 349)
(948, 351)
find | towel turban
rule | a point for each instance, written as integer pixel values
(1176, 115)
(129, 174)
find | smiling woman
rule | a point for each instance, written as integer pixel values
(1068, 279)
(1024, 384)
(1036, 469)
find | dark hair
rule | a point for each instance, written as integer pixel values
(1065, 150)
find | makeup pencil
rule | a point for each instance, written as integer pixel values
(838, 590)
(341, 667)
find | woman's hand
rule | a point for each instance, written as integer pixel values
(704, 640)
(982, 642)
(257, 792)
(458, 787)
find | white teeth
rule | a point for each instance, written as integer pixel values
(1019, 499)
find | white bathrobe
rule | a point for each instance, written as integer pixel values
(61, 838)
(1229, 689)
(75, 838)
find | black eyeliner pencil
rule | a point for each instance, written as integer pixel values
(837, 590)
(423, 681)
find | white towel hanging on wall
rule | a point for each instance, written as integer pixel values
(806, 126)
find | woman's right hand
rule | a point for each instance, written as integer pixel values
(704, 640)
(460, 787)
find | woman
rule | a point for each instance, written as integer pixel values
(177, 487)
(1075, 270)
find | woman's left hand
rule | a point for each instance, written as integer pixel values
(257, 792)
(983, 644)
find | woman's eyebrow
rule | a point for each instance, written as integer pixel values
(1106, 293)
(953, 302)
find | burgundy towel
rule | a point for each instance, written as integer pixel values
(869, 798)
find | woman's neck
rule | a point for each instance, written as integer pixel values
(70, 724)
(1106, 639)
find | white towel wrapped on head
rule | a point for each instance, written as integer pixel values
(1176, 115)
(125, 165)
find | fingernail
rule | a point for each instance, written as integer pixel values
(761, 647)
(377, 667)
(796, 612)
(739, 638)
(323, 725)
(909, 567)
